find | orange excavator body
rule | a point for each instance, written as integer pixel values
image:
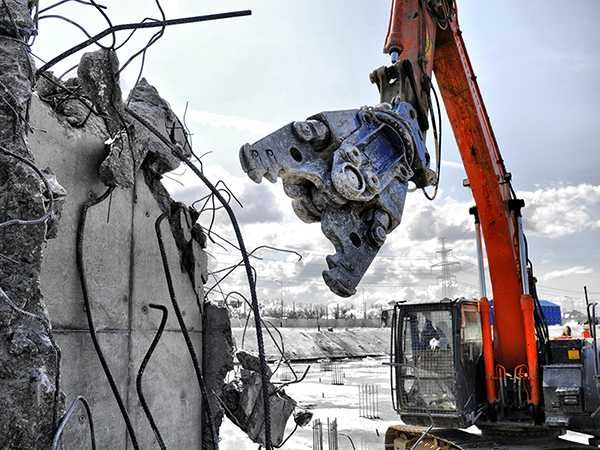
(415, 37)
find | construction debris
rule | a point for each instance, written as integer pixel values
(243, 403)
(158, 158)
(98, 73)
(250, 362)
(218, 357)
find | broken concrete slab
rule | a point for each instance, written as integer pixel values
(125, 274)
(145, 101)
(128, 144)
(98, 73)
(250, 361)
(243, 400)
(218, 361)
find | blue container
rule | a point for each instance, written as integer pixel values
(552, 313)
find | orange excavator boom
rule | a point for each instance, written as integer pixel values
(426, 37)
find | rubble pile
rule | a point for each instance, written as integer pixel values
(243, 402)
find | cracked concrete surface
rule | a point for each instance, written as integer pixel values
(28, 359)
(78, 138)
(125, 275)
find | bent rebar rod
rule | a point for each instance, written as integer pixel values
(140, 374)
(137, 25)
(88, 312)
(184, 330)
(251, 283)
(65, 419)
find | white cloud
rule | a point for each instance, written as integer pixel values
(445, 217)
(403, 269)
(564, 210)
(452, 164)
(575, 270)
(240, 123)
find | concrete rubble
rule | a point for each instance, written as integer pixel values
(243, 400)
(87, 112)
(145, 101)
(218, 360)
(98, 74)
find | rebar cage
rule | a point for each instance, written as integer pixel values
(435, 358)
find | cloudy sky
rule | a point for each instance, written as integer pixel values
(538, 67)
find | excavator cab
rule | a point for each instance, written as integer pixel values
(436, 362)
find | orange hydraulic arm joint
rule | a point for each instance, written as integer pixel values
(424, 35)
(410, 40)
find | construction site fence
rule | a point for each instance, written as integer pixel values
(325, 433)
(368, 401)
(323, 324)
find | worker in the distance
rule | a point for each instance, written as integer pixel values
(586, 331)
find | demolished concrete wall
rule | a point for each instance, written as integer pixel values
(218, 359)
(90, 143)
(122, 254)
(125, 275)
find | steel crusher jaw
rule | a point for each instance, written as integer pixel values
(348, 170)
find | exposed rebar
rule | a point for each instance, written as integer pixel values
(140, 374)
(183, 327)
(88, 312)
(139, 25)
(259, 337)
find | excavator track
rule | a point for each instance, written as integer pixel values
(404, 437)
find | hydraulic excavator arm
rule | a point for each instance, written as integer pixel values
(424, 37)
(351, 170)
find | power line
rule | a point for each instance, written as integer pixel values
(569, 291)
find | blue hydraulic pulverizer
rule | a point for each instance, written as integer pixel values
(348, 170)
